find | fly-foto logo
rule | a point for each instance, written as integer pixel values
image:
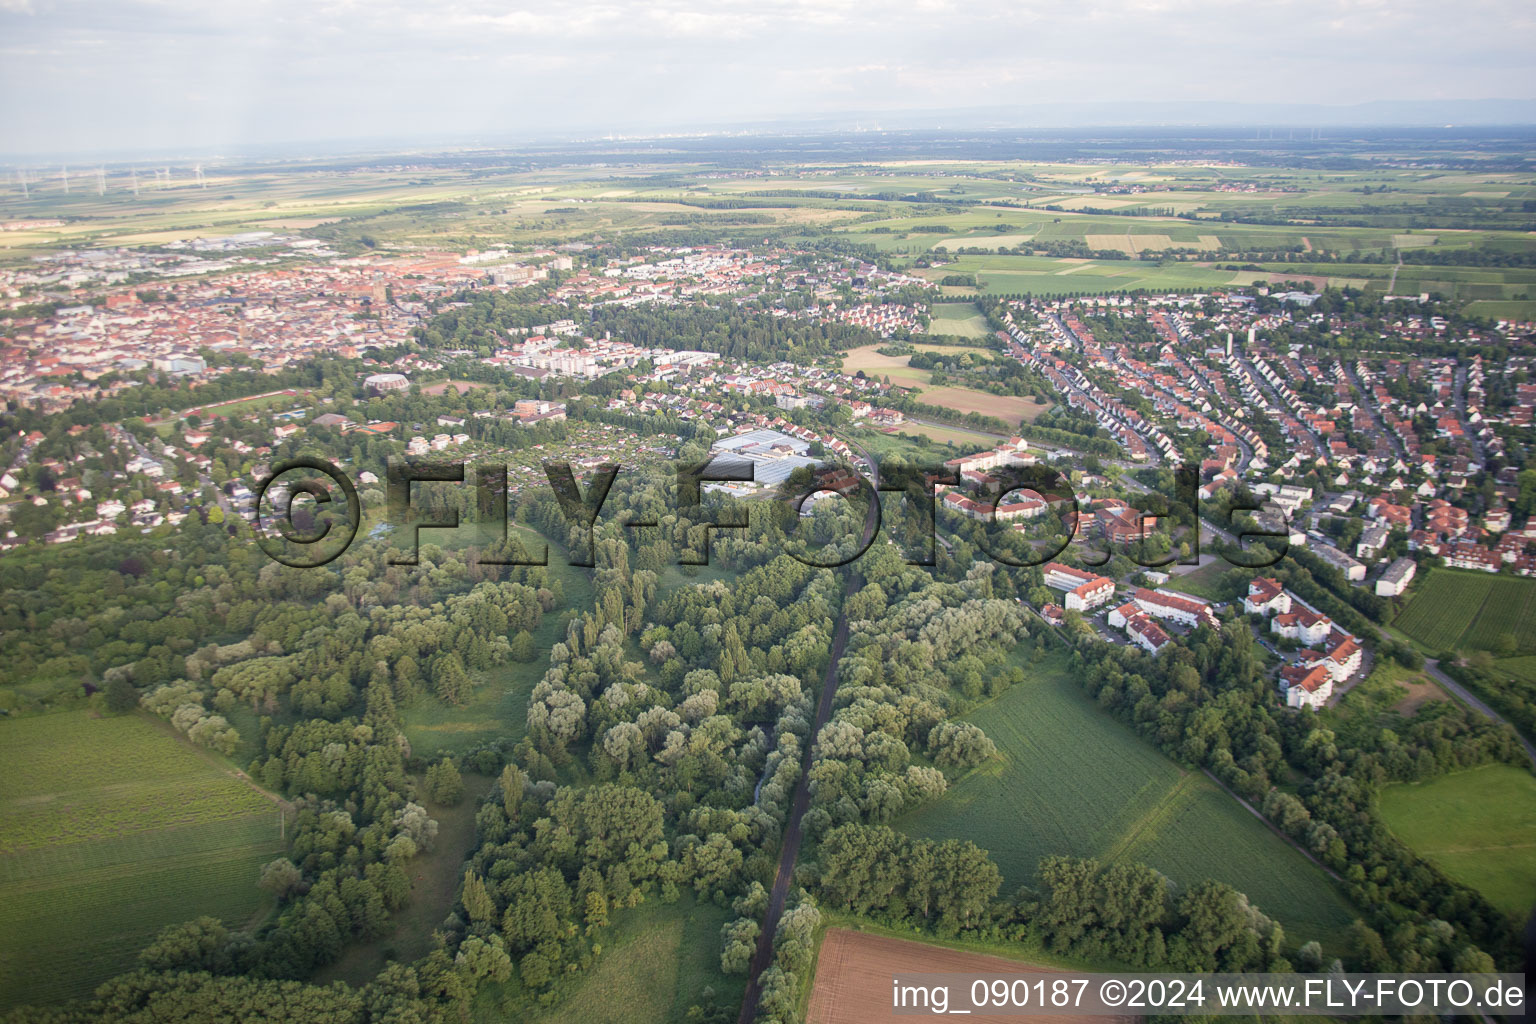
(305, 540)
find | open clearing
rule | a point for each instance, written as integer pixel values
(497, 707)
(111, 829)
(948, 435)
(854, 971)
(1477, 826)
(1069, 779)
(1472, 611)
(657, 961)
(962, 318)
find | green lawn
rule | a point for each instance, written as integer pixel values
(1072, 780)
(110, 829)
(657, 961)
(1477, 826)
(1202, 582)
(1471, 610)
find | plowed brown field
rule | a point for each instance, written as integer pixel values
(854, 972)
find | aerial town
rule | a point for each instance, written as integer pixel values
(885, 557)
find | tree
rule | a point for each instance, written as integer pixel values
(523, 649)
(281, 878)
(959, 745)
(477, 902)
(449, 679)
(512, 782)
(738, 941)
(122, 695)
(444, 784)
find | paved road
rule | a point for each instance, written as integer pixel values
(203, 479)
(1368, 403)
(794, 831)
(1432, 666)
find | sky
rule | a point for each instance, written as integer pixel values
(107, 75)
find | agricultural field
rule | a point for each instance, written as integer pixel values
(110, 829)
(854, 969)
(1453, 610)
(1009, 408)
(657, 961)
(1372, 213)
(1478, 826)
(1071, 780)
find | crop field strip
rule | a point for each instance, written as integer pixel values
(61, 940)
(110, 829)
(1071, 780)
(1471, 610)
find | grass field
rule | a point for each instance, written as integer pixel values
(110, 829)
(1478, 826)
(1071, 780)
(961, 318)
(1012, 409)
(657, 961)
(1203, 581)
(958, 436)
(1473, 611)
(1521, 668)
(874, 364)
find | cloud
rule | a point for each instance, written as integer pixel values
(179, 72)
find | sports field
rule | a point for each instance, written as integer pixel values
(110, 829)
(1071, 780)
(1472, 611)
(1477, 826)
